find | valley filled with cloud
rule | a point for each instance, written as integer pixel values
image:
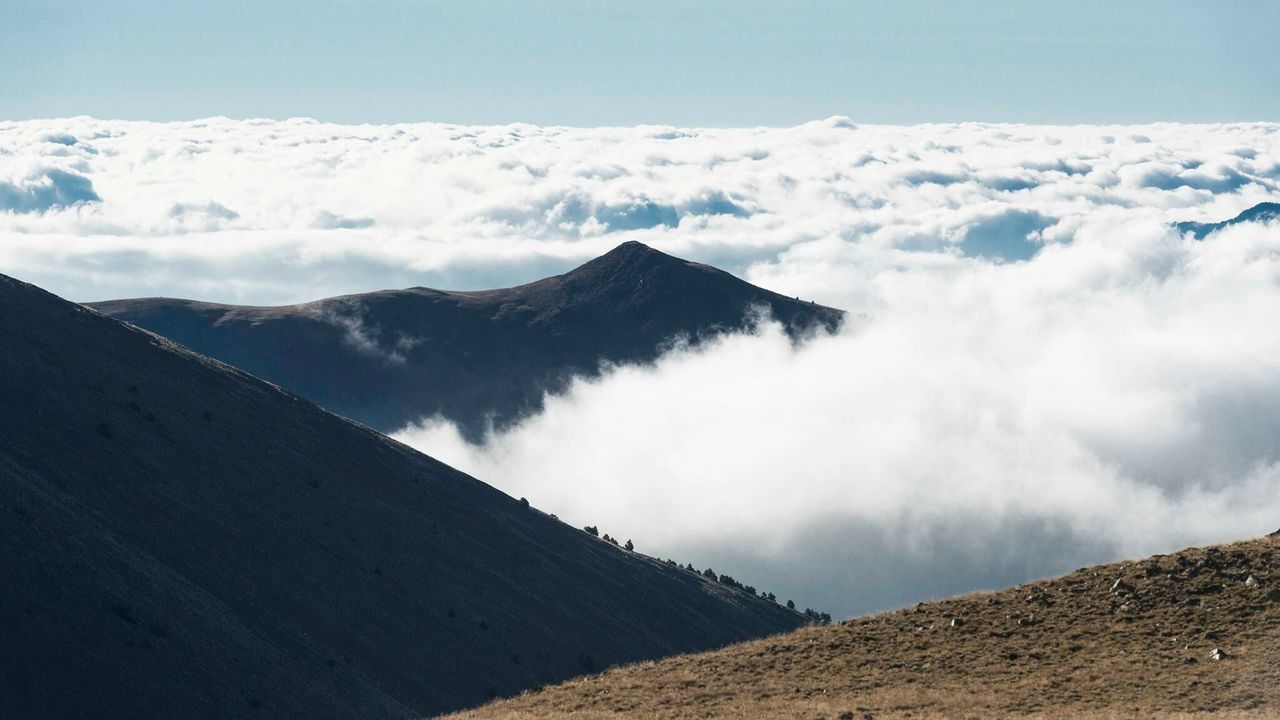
(1038, 371)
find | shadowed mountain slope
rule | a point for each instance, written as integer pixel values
(1197, 631)
(1262, 212)
(181, 540)
(395, 357)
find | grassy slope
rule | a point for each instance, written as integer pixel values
(178, 539)
(1064, 647)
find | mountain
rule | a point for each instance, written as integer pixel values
(181, 540)
(1197, 631)
(1262, 212)
(391, 358)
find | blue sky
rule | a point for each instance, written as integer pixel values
(605, 63)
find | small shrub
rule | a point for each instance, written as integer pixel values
(629, 545)
(592, 530)
(791, 604)
(524, 502)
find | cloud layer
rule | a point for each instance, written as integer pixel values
(987, 423)
(1039, 371)
(265, 212)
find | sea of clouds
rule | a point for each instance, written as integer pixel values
(1038, 370)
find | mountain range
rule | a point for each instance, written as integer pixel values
(480, 358)
(179, 539)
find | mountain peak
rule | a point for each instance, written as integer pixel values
(631, 252)
(390, 358)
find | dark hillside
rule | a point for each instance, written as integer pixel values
(181, 540)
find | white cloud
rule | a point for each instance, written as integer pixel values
(472, 206)
(984, 423)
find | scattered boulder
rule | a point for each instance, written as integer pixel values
(1251, 581)
(957, 622)
(1217, 654)
(1120, 587)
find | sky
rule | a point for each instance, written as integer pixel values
(1040, 372)
(590, 63)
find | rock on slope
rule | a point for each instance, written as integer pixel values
(181, 540)
(1196, 631)
(1262, 212)
(391, 358)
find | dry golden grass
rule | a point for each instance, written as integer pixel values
(1074, 646)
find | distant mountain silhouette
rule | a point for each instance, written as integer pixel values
(1262, 212)
(181, 540)
(394, 357)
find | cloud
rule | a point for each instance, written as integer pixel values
(367, 339)
(46, 189)
(428, 203)
(326, 220)
(202, 217)
(60, 138)
(982, 424)
(1006, 236)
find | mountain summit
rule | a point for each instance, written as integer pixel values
(181, 540)
(479, 358)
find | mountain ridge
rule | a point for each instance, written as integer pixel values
(481, 358)
(1262, 212)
